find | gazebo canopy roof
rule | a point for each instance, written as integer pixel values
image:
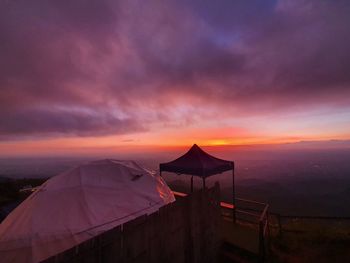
(197, 162)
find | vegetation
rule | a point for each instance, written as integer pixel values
(312, 242)
(9, 188)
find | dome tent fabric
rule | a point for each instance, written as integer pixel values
(78, 204)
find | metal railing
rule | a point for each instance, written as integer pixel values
(257, 214)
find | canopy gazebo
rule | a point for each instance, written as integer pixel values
(197, 162)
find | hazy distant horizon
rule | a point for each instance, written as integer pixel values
(137, 151)
(316, 178)
(310, 152)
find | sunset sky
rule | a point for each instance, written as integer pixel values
(93, 75)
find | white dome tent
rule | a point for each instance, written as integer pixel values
(77, 205)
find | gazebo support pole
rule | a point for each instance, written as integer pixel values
(233, 194)
(192, 184)
(203, 182)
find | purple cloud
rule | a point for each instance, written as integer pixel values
(135, 57)
(46, 122)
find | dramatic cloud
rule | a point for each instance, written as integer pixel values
(58, 122)
(100, 67)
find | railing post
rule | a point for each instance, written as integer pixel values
(233, 194)
(192, 184)
(261, 241)
(268, 232)
(99, 243)
(279, 225)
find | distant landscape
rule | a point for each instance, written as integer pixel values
(292, 181)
